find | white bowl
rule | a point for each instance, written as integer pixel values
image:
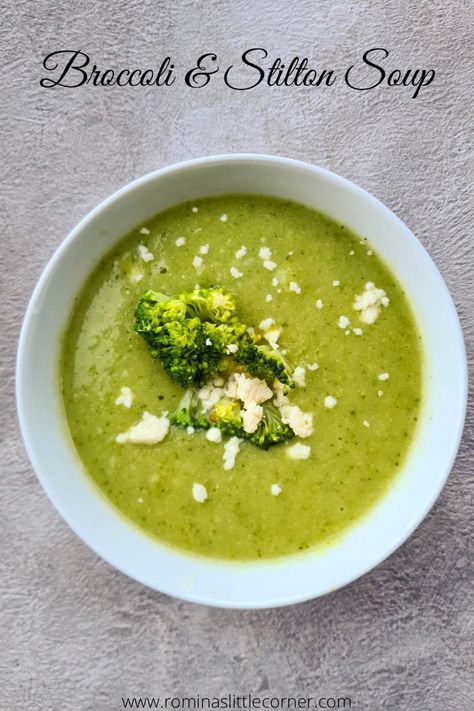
(226, 584)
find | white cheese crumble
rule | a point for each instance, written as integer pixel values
(194, 209)
(144, 231)
(208, 342)
(369, 253)
(232, 348)
(365, 423)
(290, 254)
(125, 398)
(223, 218)
(275, 489)
(379, 393)
(268, 264)
(213, 434)
(268, 298)
(347, 333)
(135, 275)
(199, 493)
(330, 402)
(265, 253)
(197, 261)
(265, 324)
(204, 249)
(272, 336)
(298, 451)
(294, 287)
(180, 241)
(319, 304)
(351, 253)
(241, 252)
(336, 282)
(369, 302)
(357, 331)
(150, 430)
(300, 422)
(343, 322)
(249, 390)
(234, 272)
(190, 430)
(231, 450)
(383, 376)
(144, 253)
(299, 376)
(312, 366)
(280, 392)
(275, 281)
(209, 395)
(251, 416)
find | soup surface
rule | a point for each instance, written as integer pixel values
(364, 396)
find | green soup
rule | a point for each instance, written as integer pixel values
(357, 446)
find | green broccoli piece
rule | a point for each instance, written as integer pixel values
(264, 362)
(271, 430)
(226, 416)
(189, 412)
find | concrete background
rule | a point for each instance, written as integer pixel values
(76, 634)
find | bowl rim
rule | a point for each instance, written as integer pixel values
(21, 397)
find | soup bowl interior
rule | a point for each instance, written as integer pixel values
(264, 583)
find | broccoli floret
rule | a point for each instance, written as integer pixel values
(271, 430)
(264, 363)
(189, 412)
(226, 416)
(214, 305)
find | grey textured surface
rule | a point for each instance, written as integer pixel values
(76, 634)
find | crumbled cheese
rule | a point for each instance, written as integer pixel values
(312, 366)
(248, 390)
(275, 281)
(383, 376)
(149, 430)
(190, 430)
(204, 249)
(140, 500)
(275, 489)
(231, 450)
(336, 282)
(218, 380)
(223, 218)
(343, 322)
(234, 272)
(294, 287)
(269, 265)
(351, 253)
(272, 336)
(330, 402)
(298, 451)
(357, 331)
(125, 398)
(144, 253)
(199, 493)
(265, 253)
(135, 275)
(290, 254)
(197, 261)
(369, 253)
(268, 298)
(251, 417)
(369, 303)
(209, 394)
(347, 333)
(241, 252)
(144, 231)
(300, 422)
(299, 376)
(208, 342)
(379, 393)
(319, 304)
(194, 209)
(214, 434)
(365, 423)
(232, 348)
(265, 324)
(180, 241)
